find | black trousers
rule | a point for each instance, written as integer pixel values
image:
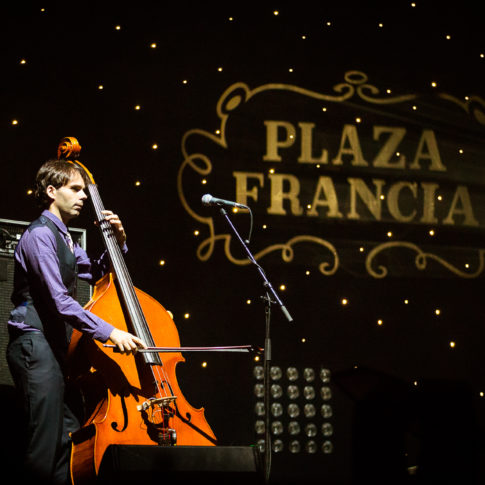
(39, 380)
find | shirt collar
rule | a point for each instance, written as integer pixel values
(60, 225)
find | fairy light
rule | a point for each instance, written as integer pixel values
(187, 316)
(154, 146)
(344, 301)
(282, 287)
(452, 344)
(196, 232)
(137, 183)
(137, 107)
(153, 45)
(204, 364)
(100, 87)
(117, 27)
(23, 61)
(379, 322)
(437, 311)
(15, 122)
(161, 262)
(248, 302)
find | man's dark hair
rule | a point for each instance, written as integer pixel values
(56, 173)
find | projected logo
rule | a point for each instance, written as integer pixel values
(360, 179)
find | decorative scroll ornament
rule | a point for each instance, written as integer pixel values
(474, 106)
(421, 260)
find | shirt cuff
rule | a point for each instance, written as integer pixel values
(103, 332)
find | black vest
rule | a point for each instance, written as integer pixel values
(28, 291)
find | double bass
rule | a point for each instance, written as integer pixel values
(126, 399)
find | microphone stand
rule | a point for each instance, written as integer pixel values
(269, 298)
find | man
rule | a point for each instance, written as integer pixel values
(40, 325)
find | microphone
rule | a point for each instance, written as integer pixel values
(207, 199)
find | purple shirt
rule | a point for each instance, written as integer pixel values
(37, 252)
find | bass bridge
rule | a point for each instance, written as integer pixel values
(157, 413)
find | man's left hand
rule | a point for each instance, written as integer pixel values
(117, 226)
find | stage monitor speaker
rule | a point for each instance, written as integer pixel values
(10, 233)
(203, 465)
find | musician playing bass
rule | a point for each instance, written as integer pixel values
(47, 264)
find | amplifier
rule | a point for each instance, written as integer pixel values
(10, 234)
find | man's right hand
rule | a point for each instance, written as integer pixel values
(126, 342)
